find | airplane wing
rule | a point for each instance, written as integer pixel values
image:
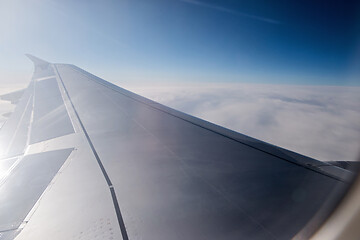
(82, 158)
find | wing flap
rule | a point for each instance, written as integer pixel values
(25, 183)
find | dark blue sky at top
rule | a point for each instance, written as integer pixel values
(295, 42)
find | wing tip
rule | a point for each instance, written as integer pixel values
(37, 61)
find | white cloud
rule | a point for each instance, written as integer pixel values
(322, 122)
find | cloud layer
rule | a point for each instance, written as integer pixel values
(318, 121)
(321, 122)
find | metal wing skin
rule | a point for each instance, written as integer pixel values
(84, 159)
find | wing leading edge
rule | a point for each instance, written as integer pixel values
(126, 167)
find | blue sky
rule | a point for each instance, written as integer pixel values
(200, 56)
(304, 42)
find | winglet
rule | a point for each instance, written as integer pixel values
(37, 61)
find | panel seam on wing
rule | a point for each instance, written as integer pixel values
(102, 168)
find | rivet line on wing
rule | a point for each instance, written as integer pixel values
(106, 176)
